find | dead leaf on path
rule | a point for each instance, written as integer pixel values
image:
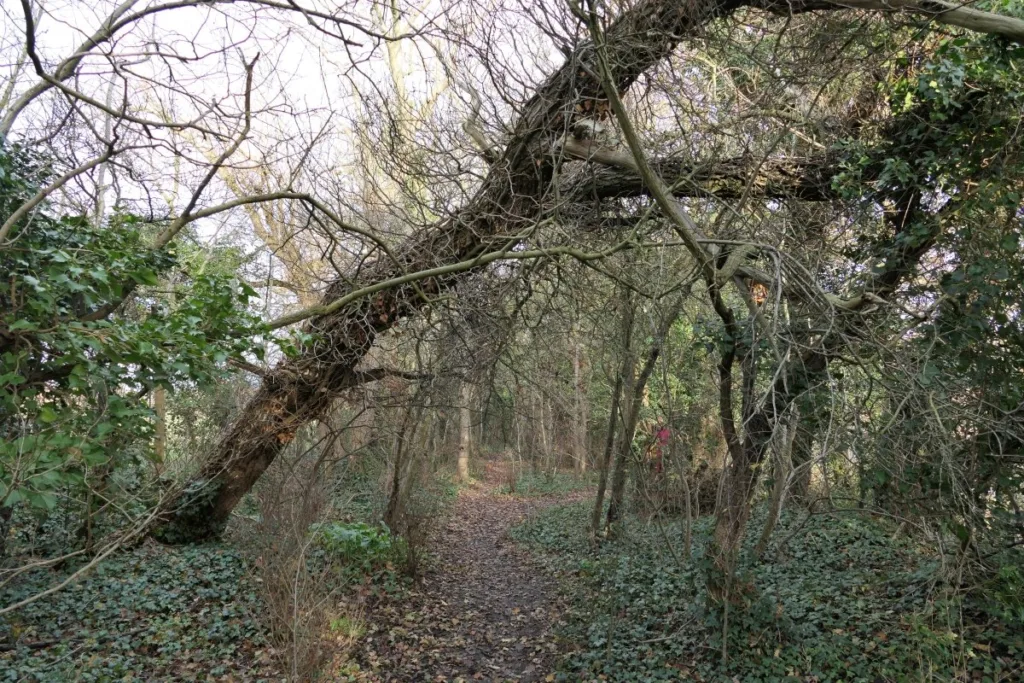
(482, 606)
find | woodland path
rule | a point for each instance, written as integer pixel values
(484, 610)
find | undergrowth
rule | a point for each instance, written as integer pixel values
(363, 554)
(546, 484)
(188, 613)
(150, 613)
(845, 599)
(185, 613)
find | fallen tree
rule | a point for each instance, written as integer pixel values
(515, 193)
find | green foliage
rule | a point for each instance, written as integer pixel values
(362, 553)
(64, 527)
(678, 388)
(356, 491)
(954, 139)
(184, 614)
(191, 519)
(358, 542)
(953, 451)
(841, 601)
(91, 319)
(347, 627)
(546, 483)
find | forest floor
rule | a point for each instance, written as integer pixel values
(484, 609)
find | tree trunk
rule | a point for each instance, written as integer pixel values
(915, 232)
(626, 308)
(300, 389)
(160, 431)
(624, 444)
(783, 467)
(582, 412)
(625, 447)
(803, 459)
(552, 450)
(605, 464)
(746, 456)
(465, 430)
(512, 196)
(634, 391)
(395, 511)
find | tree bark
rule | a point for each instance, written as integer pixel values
(606, 460)
(782, 468)
(802, 457)
(160, 431)
(634, 390)
(795, 376)
(914, 231)
(626, 322)
(581, 408)
(465, 431)
(624, 444)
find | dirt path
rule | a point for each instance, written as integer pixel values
(484, 611)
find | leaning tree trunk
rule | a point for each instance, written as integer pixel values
(513, 195)
(299, 390)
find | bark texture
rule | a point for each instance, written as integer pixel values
(465, 431)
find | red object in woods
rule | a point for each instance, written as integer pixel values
(661, 439)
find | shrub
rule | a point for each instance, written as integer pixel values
(357, 542)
